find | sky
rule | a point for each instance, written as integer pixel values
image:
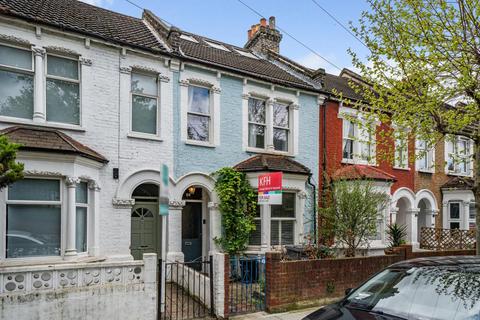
(229, 20)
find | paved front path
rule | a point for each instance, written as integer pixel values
(292, 315)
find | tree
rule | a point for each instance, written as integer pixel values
(353, 214)
(10, 170)
(238, 203)
(423, 70)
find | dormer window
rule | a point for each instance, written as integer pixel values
(246, 54)
(188, 38)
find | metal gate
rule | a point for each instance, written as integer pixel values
(246, 285)
(188, 290)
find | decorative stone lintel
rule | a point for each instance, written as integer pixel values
(86, 62)
(213, 205)
(184, 83)
(176, 204)
(145, 69)
(125, 70)
(62, 50)
(14, 40)
(72, 182)
(42, 173)
(294, 106)
(246, 96)
(216, 89)
(201, 82)
(123, 203)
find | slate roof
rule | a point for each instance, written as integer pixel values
(258, 67)
(76, 16)
(265, 162)
(340, 84)
(359, 171)
(462, 183)
(42, 139)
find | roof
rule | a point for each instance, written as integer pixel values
(359, 171)
(461, 183)
(259, 67)
(76, 16)
(438, 261)
(42, 139)
(265, 162)
(340, 84)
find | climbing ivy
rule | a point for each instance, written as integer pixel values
(238, 203)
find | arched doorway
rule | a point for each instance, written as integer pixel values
(146, 224)
(195, 222)
(424, 216)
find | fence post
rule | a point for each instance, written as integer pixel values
(272, 267)
(150, 275)
(212, 300)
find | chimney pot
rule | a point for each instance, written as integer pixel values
(249, 34)
(263, 22)
(271, 22)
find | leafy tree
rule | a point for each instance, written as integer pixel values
(353, 213)
(238, 203)
(423, 70)
(10, 170)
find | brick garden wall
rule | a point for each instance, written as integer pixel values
(294, 283)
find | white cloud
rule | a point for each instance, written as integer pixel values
(313, 61)
(98, 3)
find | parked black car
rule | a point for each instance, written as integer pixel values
(444, 288)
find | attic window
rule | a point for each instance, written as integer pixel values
(216, 46)
(188, 38)
(246, 54)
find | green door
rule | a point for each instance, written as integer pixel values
(144, 227)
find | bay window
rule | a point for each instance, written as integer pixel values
(256, 123)
(17, 83)
(256, 235)
(454, 218)
(63, 90)
(81, 196)
(33, 218)
(144, 89)
(458, 155)
(472, 215)
(198, 114)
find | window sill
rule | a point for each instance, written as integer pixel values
(458, 174)
(55, 125)
(136, 135)
(361, 162)
(200, 143)
(425, 171)
(400, 168)
(265, 151)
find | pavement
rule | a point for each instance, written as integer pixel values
(292, 315)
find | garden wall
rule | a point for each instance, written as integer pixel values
(291, 284)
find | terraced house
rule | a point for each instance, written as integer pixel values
(99, 101)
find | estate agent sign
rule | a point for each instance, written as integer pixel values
(270, 188)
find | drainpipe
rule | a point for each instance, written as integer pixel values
(324, 149)
(309, 181)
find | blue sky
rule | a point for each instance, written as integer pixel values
(229, 20)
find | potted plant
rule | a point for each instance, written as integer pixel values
(396, 234)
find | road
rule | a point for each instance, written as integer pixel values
(292, 315)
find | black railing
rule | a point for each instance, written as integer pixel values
(188, 290)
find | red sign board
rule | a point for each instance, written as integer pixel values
(270, 188)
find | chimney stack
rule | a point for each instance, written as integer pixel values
(263, 37)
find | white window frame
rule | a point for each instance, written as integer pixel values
(424, 154)
(209, 114)
(87, 206)
(77, 81)
(469, 217)
(265, 126)
(460, 214)
(3, 217)
(401, 153)
(360, 138)
(137, 134)
(292, 139)
(457, 158)
(189, 78)
(30, 72)
(280, 220)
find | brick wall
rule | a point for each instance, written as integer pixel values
(293, 283)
